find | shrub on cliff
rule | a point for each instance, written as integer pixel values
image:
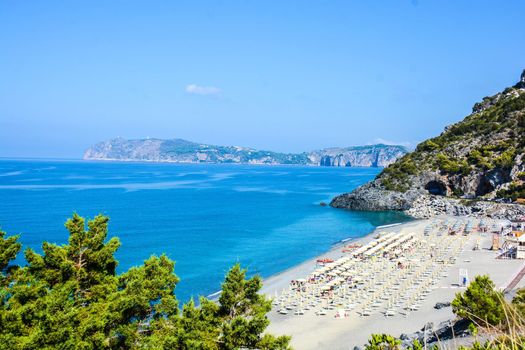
(506, 159)
(396, 176)
(71, 297)
(516, 190)
(428, 146)
(452, 166)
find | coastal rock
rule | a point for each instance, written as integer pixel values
(439, 306)
(371, 197)
(420, 205)
(446, 330)
(521, 83)
(362, 156)
(404, 336)
(429, 206)
(475, 167)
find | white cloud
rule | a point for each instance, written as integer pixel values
(203, 90)
(407, 144)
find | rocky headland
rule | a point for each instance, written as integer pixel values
(182, 151)
(475, 167)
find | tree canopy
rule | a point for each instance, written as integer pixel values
(70, 297)
(480, 303)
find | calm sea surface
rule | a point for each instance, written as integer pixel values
(205, 217)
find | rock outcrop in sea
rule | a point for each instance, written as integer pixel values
(475, 167)
(182, 151)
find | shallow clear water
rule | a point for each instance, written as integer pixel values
(206, 217)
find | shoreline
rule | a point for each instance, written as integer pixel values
(310, 330)
(281, 280)
(271, 283)
(145, 161)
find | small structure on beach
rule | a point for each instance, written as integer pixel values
(495, 241)
(518, 224)
(514, 247)
(520, 253)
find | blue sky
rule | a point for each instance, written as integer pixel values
(277, 75)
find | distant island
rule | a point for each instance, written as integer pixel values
(470, 169)
(183, 151)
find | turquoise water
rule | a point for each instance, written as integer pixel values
(205, 217)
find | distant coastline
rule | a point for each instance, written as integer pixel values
(142, 161)
(182, 151)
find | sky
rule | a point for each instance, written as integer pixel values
(286, 76)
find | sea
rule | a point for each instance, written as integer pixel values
(206, 217)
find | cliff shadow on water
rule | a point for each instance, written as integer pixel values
(382, 218)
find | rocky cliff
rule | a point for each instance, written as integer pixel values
(475, 166)
(366, 156)
(182, 151)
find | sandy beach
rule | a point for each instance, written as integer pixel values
(310, 331)
(280, 281)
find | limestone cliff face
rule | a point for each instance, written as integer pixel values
(182, 151)
(479, 158)
(364, 156)
(125, 149)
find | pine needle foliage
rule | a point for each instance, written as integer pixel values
(70, 297)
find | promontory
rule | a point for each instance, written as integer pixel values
(475, 167)
(182, 151)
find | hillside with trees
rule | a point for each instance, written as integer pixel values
(481, 157)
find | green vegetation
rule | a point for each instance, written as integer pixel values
(516, 190)
(70, 297)
(382, 342)
(519, 301)
(452, 166)
(388, 342)
(428, 146)
(489, 139)
(506, 158)
(486, 307)
(480, 159)
(9, 248)
(457, 192)
(396, 176)
(480, 303)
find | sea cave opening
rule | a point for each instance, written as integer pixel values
(484, 187)
(437, 188)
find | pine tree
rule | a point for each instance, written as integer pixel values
(9, 248)
(243, 312)
(480, 303)
(70, 297)
(383, 342)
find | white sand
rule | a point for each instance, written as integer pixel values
(326, 332)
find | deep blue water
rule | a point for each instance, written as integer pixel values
(206, 217)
